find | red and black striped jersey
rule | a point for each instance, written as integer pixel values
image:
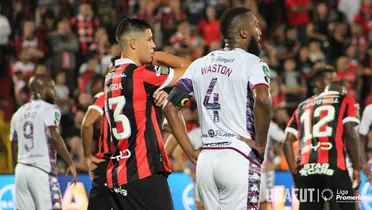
(105, 146)
(318, 123)
(129, 108)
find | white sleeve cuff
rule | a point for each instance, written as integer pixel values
(350, 119)
(168, 80)
(292, 131)
(97, 108)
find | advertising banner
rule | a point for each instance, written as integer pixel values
(76, 197)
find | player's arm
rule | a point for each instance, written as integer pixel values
(259, 78)
(52, 118)
(350, 136)
(179, 65)
(363, 129)
(291, 135)
(180, 94)
(94, 113)
(14, 140)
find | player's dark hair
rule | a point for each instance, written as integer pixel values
(230, 19)
(129, 25)
(320, 72)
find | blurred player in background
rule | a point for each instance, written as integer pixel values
(35, 140)
(324, 125)
(99, 196)
(364, 128)
(231, 88)
(275, 137)
(138, 170)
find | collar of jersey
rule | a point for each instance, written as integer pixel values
(328, 92)
(122, 61)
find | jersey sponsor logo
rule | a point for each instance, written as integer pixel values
(216, 133)
(318, 146)
(112, 75)
(217, 68)
(217, 144)
(161, 70)
(225, 60)
(122, 155)
(120, 190)
(316, 168)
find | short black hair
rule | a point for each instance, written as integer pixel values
(230, 18)
(321, 71)
(130, 24)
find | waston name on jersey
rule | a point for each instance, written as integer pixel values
(222, 69)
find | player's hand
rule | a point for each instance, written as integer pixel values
(92, 163)
(356, 179)
(160, 97)
(252, 144)
(72, 168)
(194, 155)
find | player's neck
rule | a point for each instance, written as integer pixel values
(229, 45)
(35, 97)
(131, 57)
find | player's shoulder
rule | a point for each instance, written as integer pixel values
(368, 109)
(99, 95)
(48, 106)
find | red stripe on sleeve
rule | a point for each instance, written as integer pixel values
(338, 140)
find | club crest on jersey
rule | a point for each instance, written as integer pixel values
(161, 70)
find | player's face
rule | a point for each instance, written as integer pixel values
(146, 47)
(255, 31)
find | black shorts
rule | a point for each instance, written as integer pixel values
(150, 193)
(313, 190)
(99, 196)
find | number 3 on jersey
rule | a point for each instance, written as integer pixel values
(119, 118)
(215, 106)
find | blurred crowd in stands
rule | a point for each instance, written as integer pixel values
(74, 41)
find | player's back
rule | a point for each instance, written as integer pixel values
(321, 124)
(223, 83)
(30, 124)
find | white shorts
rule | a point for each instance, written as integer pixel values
(36, 189)
(228, 180)
(267, 183)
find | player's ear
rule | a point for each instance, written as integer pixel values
(243, 33)
(132, 43)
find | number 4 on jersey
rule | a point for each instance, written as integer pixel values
(215, 106)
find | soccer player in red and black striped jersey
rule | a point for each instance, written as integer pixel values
(324, 125)
(138, 169)
(99, 195)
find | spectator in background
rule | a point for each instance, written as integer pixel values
(298, 17)
(106, 60)
(337, 41)
(181, 39)
(346, 74)
(24, 64)
(292, 85)
(41, 69)
(168, 17)
(101, 43)
(84, 25)
(5, 31)
(46, 26)
(28, 39)
(209, 26)
(365, 18)
(303, 61)
(62, 93)
(315, 52)
(357, 35)
(63, 48)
